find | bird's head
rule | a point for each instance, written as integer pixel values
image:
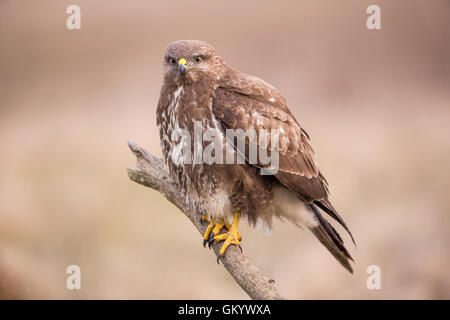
(191, 60)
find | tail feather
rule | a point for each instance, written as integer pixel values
(326, 206)
(329, 237)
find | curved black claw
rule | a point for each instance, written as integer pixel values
(211, 239)
(241, 248)
(204, 243)
(218, 259)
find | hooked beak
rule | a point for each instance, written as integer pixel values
(182, 66)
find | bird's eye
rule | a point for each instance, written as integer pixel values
(198, 59)
(171, 60)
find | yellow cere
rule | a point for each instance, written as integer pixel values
(183, 61)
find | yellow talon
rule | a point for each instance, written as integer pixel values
(208, 229)
(230, 237)
(218, 228)
(228, 226)
(212, 230)
(220, 237)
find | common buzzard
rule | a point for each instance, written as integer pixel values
(201, 90)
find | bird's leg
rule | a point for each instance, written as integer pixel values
(215, 232)
(212, 229)
(230, 237)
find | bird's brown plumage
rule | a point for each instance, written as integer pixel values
(223, 98)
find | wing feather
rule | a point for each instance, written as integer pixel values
(298, 169)
(245, 102)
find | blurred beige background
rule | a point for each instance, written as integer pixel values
(376, 104)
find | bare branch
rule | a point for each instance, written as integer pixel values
(151, 172)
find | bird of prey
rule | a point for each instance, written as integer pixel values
(199, 87)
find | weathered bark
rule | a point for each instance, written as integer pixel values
(151, 172)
